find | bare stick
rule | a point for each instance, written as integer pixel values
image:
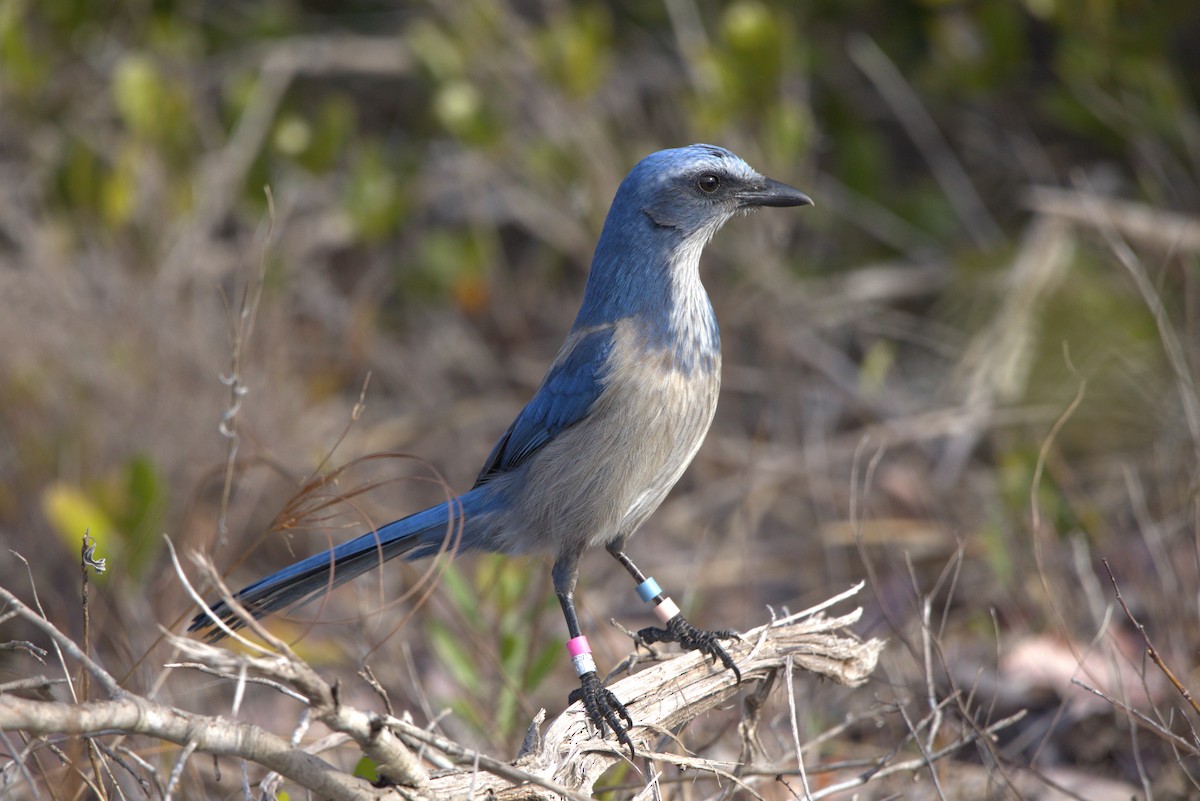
(366, 728)
(19, 759)
(217, 621)
(63, 642)
(1144, 224)
(918, 763)
(241, 328)
(791, 694)
(212, 735)
(177, 771)
(1141, 717)
(1151, 651)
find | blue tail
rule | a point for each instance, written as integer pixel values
(422, 534)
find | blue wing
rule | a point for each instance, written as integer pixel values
(566, 395)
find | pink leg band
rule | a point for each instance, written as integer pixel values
(581, 655)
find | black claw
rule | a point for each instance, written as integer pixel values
(691, 638)
(604, 710)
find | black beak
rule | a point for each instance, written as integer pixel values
(773, 193)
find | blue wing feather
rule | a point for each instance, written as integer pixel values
(566, 395)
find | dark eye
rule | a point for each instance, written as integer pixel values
(708, 183)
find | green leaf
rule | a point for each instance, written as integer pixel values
(541, 665)
(374, 197)
(461, 595)
(576, 49)
(118, 188)
(72, 513)
(454, 655)
(366, 768)
(22, 67)
(138, 93)
(144, 501)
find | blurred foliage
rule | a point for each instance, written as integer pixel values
(495, 608)
(576, 48)
(472, 177)
(117, 109)
(1101, 76)
(123, 513)
(374, 198)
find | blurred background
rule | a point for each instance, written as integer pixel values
(967, 375)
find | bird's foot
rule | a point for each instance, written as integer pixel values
(691, 638)
(604, 709)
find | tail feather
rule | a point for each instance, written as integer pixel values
(419, 535)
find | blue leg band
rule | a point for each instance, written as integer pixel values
(648, 590)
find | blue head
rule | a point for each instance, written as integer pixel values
(664, 212)
(693, 190)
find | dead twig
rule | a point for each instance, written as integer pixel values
(1145, 720)
(1158, 228)
(1151, 651)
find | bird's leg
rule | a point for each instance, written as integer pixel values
(603, 708)
(677, 629)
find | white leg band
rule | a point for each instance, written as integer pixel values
(666, 610)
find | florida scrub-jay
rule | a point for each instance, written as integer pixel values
(618, 417)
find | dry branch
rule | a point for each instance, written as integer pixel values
(1147, 225)
(673, 692)
(132, 714)
(565, 764)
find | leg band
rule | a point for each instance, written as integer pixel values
(666, 610)
(664, 607)
(648, 590)
(581, 655)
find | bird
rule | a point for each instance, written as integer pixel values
(616, 420)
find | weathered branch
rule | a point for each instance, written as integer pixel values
(133, 714)
(1150, 226)
(565, 764)
(367, 729)
(670, 693)
(64, 642)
